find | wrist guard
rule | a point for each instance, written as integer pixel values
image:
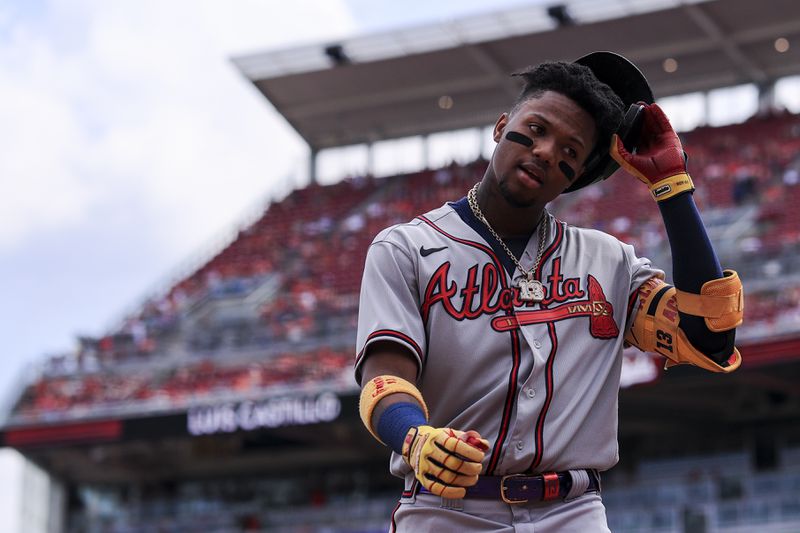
(379, 387)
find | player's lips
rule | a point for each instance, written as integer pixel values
(533, 171)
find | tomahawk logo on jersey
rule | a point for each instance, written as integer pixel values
(482, 295)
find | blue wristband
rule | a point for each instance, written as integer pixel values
(395, 422)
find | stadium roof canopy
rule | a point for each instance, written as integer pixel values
(392, 84)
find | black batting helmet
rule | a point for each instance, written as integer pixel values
(628, 82)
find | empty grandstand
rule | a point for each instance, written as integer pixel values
(227, 402)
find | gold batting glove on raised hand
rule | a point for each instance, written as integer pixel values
(445, 461)
(659, 160)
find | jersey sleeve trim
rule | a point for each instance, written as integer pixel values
(396, 336)
(632, 299)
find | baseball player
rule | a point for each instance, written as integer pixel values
(490, 334)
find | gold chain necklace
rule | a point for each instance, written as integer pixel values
(530, 290)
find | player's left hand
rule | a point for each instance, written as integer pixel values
(659, 155)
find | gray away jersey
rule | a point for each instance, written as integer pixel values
(538, 381)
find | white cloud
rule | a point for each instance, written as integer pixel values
(40, 135)
(107, 100)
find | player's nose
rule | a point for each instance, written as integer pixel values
(544, 151)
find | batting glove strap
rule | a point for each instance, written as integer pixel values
(720, 302)
(672, 186)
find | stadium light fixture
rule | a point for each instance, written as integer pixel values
(560, 15)
(782, 44)
(670, 65)
(337, 55)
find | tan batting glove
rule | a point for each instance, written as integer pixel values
(444, 460)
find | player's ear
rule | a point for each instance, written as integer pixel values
(499, 126)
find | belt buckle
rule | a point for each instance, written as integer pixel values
(503, 489)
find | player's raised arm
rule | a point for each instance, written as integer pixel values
(693, 322)
(445, 461)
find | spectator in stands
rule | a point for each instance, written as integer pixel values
(745, 186)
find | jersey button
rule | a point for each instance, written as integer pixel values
(520, 445)
(530, 392)
(537, 344)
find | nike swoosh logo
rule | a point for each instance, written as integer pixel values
(424, 252)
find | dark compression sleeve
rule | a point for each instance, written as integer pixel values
(694, 262)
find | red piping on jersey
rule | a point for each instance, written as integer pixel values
(406, 494)
(551, 327)
(394, 524)
(513, 377)
(537, 458)
(389, 333)
(515, 350)
(550, 249)
(487, 249)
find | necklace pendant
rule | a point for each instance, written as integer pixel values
(531, 290)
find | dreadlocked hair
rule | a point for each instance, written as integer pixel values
(578, 83)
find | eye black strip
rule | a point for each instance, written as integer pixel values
(519, 138)
(568, 171)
